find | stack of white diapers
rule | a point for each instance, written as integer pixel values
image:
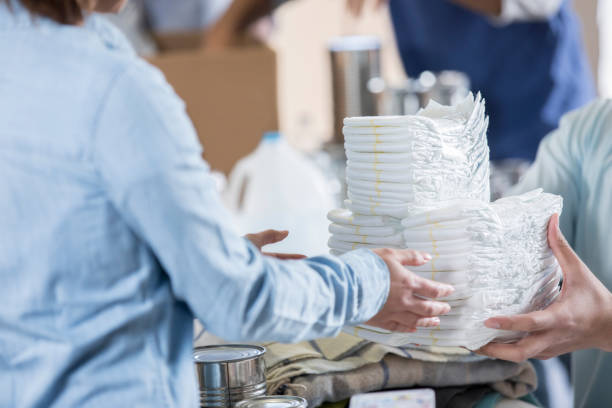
(422, 182)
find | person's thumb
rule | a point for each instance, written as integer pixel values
(267, 237)
(561, 249)
(273, 236)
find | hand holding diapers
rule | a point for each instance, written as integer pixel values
(421, 182)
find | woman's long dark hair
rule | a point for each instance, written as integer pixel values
(63, 11)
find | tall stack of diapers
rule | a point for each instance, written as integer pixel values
(422, 182)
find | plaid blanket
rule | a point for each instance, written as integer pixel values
(330, 370)
(335, 369)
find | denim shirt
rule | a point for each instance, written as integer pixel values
(114, 237)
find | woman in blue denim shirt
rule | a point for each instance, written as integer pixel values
(114, 238)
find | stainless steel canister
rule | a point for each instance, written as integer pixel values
(357, 85)
(445, 87)
(229, 373)
(274, 401)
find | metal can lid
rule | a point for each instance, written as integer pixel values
(226, 353)
(274, 401)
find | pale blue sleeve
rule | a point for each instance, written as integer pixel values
(557, 170)
(149, 159)
(575, 161)
(572, 161)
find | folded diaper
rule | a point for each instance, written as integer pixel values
(437, 155)
(495, 254)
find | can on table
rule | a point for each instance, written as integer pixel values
(274, 401)
(229, 373)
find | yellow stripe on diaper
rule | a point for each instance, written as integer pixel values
(373, 206)
(375, 148)
(434, 339)
(376, 139)
(377, 175)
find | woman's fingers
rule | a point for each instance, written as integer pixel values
(398, 326)
(530, 322)
(409, 257)
(263, 238)
(526, 348)
(426, 308)
(428, 322)
(408, 322)
(272, 236)
(403, 310)
(402, 300)
(430, 289)
(420, 286)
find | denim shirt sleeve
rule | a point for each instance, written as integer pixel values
(149, 159)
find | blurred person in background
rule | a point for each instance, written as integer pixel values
(525, 56)
(231, 28)
(574, 161)
(114, 236)
(154, 24)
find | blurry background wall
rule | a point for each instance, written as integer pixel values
(302, 29)
(587, 11)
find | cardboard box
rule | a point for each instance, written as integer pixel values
(230, 96)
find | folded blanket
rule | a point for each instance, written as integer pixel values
(335, 369)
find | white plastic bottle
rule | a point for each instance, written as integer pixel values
(278, 187)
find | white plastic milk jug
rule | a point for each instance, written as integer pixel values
(280, 188)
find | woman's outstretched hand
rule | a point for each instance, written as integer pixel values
(407, 306)
(263, 238)
(580, 318)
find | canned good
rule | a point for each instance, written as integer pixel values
(229, 373)
(274, 401)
